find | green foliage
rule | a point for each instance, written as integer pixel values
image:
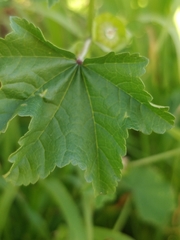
(104, 233)
(153, 196)
(66, 204)
(63, 206)
(80, 112)
(5, 204)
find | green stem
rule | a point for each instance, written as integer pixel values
(88, 212)
(155, 158)
(87, 43)
(84, 51)
(123, 216)
(64, 201)
(91, 16)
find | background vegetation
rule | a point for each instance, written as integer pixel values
(146, 205)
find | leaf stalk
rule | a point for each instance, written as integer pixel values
(91, 15)
(84, 51)
(122, 218)
(155, 158)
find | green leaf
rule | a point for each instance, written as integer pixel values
(80, 112)
(35, 219)
(105, 233)
(153, 196)
(6, 199)
(67, 206)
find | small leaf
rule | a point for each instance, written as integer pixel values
(153, 196)
(80, 112)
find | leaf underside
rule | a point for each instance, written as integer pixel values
(80, 114)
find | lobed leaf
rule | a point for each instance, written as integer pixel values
(80, 112)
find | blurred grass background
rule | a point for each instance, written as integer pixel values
(146, 205)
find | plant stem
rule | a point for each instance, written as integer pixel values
(90, 19)
(88, 212)
(155, 158)
(123, 216)
(91, 16)
(84, 51)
